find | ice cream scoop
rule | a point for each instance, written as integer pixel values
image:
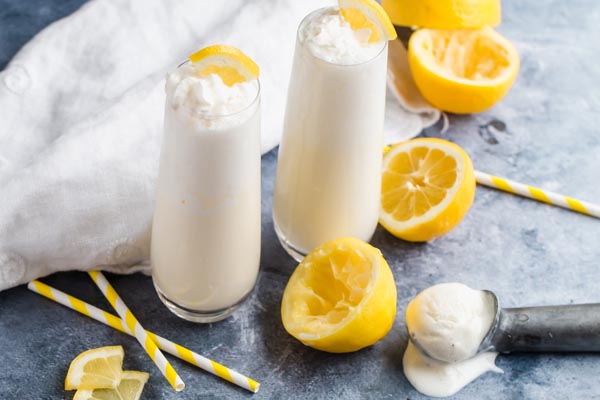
(563, 328)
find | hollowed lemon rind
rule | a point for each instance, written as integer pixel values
(453, 93)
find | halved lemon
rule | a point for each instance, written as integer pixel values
(228, 62)
(130, 388)
(443, 14)
(368, 14)
(462, 71)
(96, 368)
(340, 298)
(427, 187)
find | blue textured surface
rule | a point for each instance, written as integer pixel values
(545, 132)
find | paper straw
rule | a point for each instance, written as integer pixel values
(138, 330)
(164, 344)
(583, 207)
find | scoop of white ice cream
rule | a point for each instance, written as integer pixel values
(450, 320)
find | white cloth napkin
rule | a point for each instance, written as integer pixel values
(82, 108)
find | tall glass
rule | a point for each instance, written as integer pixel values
(329, 168)
(206, 229)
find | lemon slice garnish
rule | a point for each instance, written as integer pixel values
(368, 14)
(228, 62)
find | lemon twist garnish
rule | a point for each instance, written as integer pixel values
(228, 62)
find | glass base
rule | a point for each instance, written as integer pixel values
(199, 316)
(293, 251)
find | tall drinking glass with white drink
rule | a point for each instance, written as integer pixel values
(329, 168)
(206, 229)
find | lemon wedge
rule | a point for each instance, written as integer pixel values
(340, 298)
(228, 62)
(427, 187)
(130, 388)
(443, 14)
(462, 71)
(96, 368)
(368, 14)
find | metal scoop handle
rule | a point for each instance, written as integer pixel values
(566, 328)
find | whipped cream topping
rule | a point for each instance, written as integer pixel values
(329, 37)
(207, 98)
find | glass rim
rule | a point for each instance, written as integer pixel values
(318, 10)
(208, 116)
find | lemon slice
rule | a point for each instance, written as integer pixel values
(130, 388)
(340, 298)
(96, 368)
(462, 71)
(443, 14)
(368, 14)
(427, 187)
(228, 62)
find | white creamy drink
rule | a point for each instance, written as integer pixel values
(206, 230)
(329, 168)
(448, 321)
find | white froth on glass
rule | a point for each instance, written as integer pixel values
(330, 38)
(207, 99)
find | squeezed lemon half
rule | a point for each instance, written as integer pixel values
(340, 298)
(462, 71)
(443, 14)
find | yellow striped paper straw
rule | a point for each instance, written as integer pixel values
(172, 348)
(138, 330)
(583, 207)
